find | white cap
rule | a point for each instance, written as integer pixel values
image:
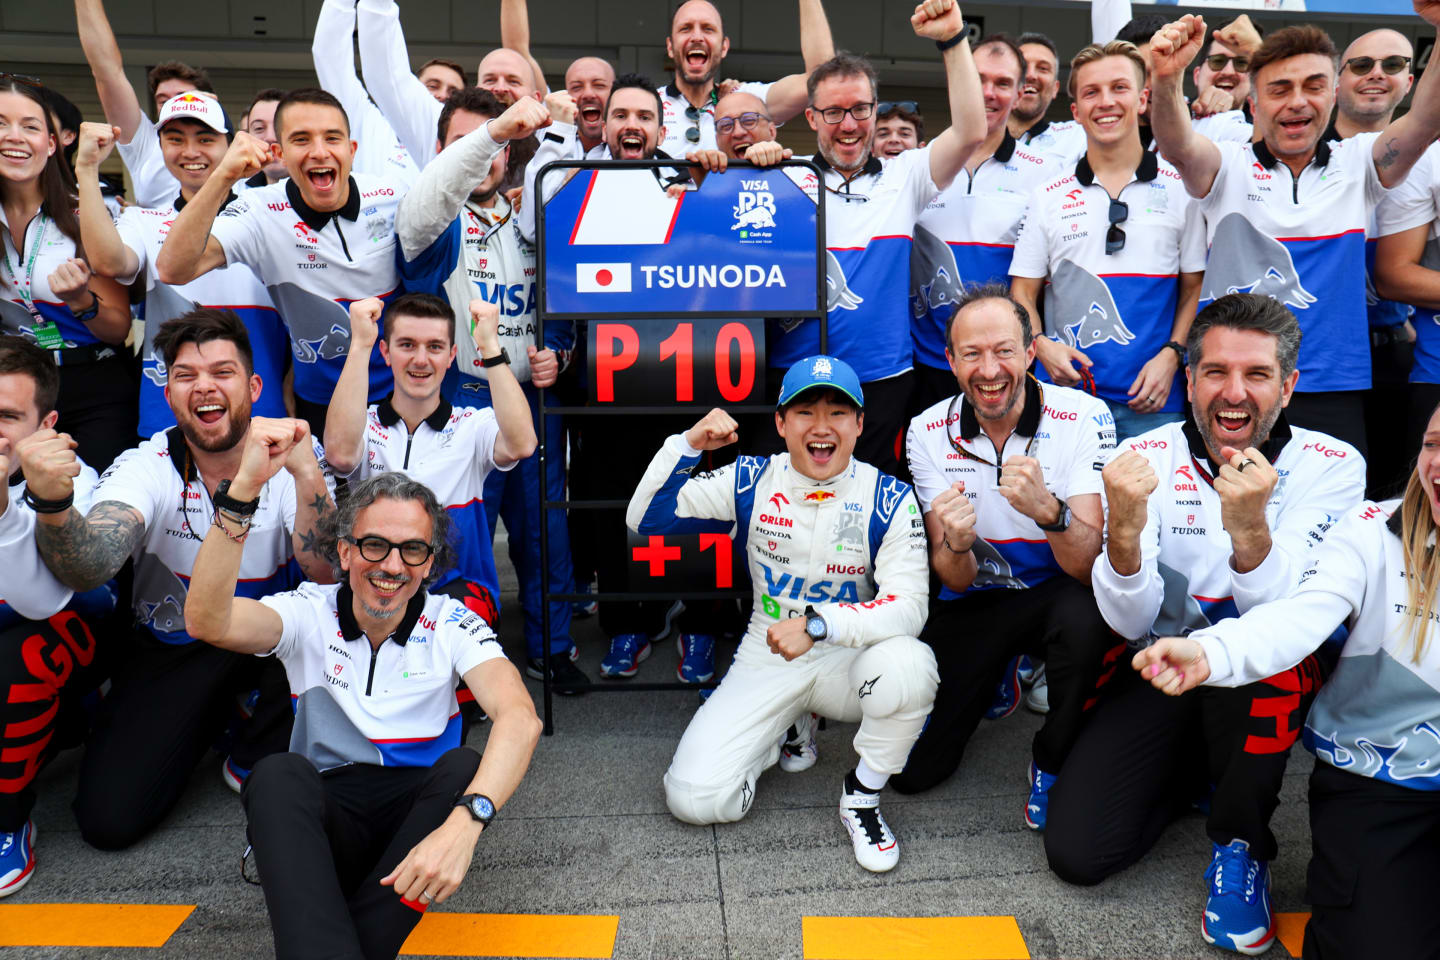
(194, 105)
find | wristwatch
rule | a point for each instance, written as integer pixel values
(90, 312)
(481, 808)
(1062, 522)
(241, 508)
(1179, 349)
(497, 360)
(815, 626)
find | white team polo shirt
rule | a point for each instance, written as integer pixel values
(1116, 308)
(315, 265)
(27, 272)
(159, 480)
(1414, 203)
(966, 236)
(869, 223)
(1300, 240)
(1068, 431)
(672, 114)
(393, 706)
(1232, 126)
(1062, 140)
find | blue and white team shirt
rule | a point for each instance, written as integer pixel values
(235, 288)
(869, 225)
(28, 307)
(315, 265)
(1068, 431)
(1064, 141)
(391, 706)
(152, 181)
(1118, 309)
(452, 451)
(1414, 203)
(967, 236)
(672, 114)
(1300, 240)
(160, 481)
(1231, 126)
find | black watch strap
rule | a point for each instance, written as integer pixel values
(943, 45)
(241, 508)
(502, 358)
(1062, 520)
(1179, 349)
(90, 312)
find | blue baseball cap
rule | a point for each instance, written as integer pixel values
(831, 373)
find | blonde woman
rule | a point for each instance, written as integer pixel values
(1375, 726)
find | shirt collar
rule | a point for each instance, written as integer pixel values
(440, 416)
(180, 455)
(1006, 150)
(673, 92)
(1271, 448)
(1322, 151)
(259, 180)
(1029, 417)
(316, 219)
(1036, 130)
(180, 201)
(873, 166)
(18, 477)
(1149, 168)
(350, 627)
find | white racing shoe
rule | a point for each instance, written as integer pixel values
(876, 848)
(798, 751)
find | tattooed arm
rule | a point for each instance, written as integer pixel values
(312, 501)
(84, 552)
(1404, 140)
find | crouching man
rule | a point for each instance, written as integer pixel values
(836, 551)
(375, 812)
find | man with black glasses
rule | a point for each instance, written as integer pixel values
(1221, 108)
(1122, 248)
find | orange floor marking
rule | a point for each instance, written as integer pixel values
(512, 935)
(912, 938)
(89, 924)
(1290, 930)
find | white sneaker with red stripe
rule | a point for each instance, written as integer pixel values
(876, 848)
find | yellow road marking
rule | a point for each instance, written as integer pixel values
(912, 938)
(89, 924)
(512, 935)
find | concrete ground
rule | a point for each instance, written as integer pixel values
(588, 833)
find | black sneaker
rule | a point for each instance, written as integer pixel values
(563, 673)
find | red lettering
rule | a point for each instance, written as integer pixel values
(777, 521)
(1054, 414)
(723, 546)
(851, 570)
(738, 389)
(1325, 451)
(681, 346)
(607, 362)
(656, 554)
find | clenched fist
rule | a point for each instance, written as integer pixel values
(716, 429)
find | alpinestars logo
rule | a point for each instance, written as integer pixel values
(868, 687)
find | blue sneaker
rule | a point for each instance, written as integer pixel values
(626, 652)
(1007, 694)
(1237, 909)
(1038, 806)
(580, 609)
(697, 657)
(233, 775)
(17, 858)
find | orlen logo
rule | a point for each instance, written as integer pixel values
(303, 231)
(1054, 414)
(1185, 472)
(777, 521)
(1185, 480)
(1151, 445)
(1075, 198)
(1324, 451)
(779, 499)
(842, 569)
(1260, 172)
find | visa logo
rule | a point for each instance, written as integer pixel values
(821, 591)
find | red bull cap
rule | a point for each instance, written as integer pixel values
(194, 105)
(831, 373)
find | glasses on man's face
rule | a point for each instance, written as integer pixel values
(692, 113)
(747, 121)
(1391, 65)
(889, 106)
(833, 115)
(1115, 237)
(375, 549)
(1216, 62)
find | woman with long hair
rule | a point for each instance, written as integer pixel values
(47, 292)
(1375, 725)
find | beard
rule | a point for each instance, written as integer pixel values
(238, 421)
(1262, 422)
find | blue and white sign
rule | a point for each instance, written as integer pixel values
(745, 242)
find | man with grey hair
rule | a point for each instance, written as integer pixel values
(377, 791)
(1208, 517)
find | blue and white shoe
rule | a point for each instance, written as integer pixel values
(1237, 908)
(1037, 807)
(626, 652)
(798, 751)
(580, 609)
(17, 858)
(697, 657)
(233, 775)
(1007, 694)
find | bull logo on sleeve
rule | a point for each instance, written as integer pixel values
(841, 297)
(319, 328)
(934, 274)
(159, 597)
(1084, 309)
(992, 567)
(1244, 260)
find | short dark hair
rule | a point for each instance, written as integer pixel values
(835, 396)
(201, 326)
(68, 116)
(1140, 30)
(976, 292)
(177, 70)
(265, 96)
(445, 62)
(1210, 40)
(1249, 311)
(843, 64)
(423, 305)
(1292, 42)
(472, 100)
(912, 117)
(1009, 43)
(392, 485)
(1040, 38)
(640, 82)
(18, 355)
(311, 95)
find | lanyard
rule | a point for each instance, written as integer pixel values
(26, 290)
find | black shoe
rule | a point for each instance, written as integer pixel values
(563, 673)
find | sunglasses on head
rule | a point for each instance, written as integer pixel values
(1217, 61)
(1115, 237)
(22, 78)
(1392, 64)
(890, 106)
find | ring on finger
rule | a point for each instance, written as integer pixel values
(425, 896)
(1247, 462)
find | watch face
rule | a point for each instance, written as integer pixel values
(483, 808)
(815, 627)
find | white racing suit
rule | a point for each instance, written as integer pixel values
(853, 547)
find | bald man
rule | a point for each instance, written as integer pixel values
(588, 82)
(1365, 99)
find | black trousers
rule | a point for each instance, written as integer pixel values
(1340, 413)
(931, 386)
(1145, 757)
(323, 842)
(312, 413)
(1371, 884)
(167, 706)
(975, 635)
(100, 407)
(1390, 456)
(47, 668)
